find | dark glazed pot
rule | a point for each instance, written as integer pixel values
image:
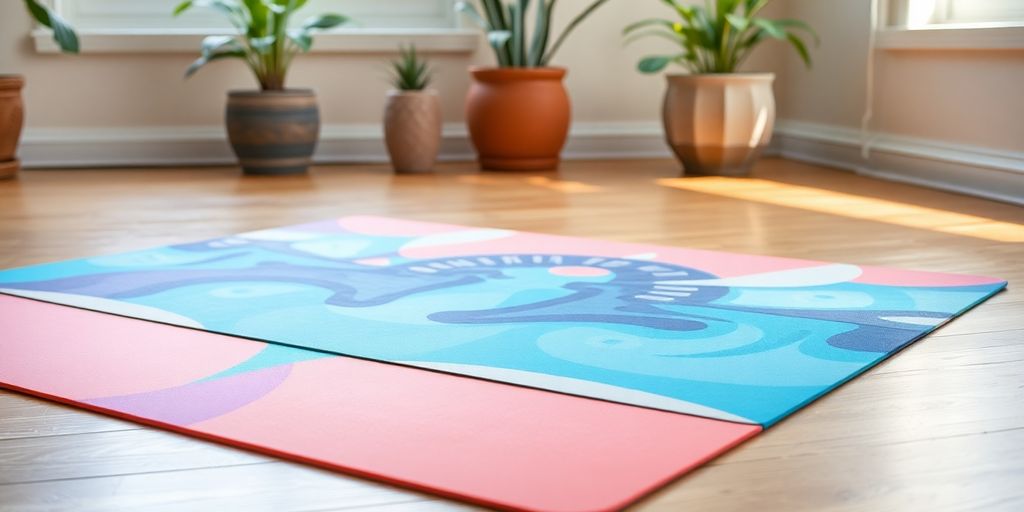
(518, 118)
(273, 132)
(12, 115)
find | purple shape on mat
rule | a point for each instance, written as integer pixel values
(198, 401)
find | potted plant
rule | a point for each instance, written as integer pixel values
(12, 108)
(518, 113)
(412, 115)
(717, 120)
(273, 130)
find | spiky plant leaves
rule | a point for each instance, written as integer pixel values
(504, 22)
(410, 72)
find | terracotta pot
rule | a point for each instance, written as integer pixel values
(412, 129)
(719, 123)
(273, 132)
(12, 116)
(518, 118)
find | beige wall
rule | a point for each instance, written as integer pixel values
(967, 97)
(148, 90)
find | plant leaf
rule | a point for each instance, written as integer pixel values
(770, 27)
(182, 7)
(517, 14)
(474, 15)
(570, 27)
(499, 37)
(324, 21)
(654, 63)
(788, 23)
(495, 14)
(739, 22)
(301, 38)
(801, 48)
(646, 23)
(202, 61)
(664, 34)
(63, 34)
(541, 32)
(263, 44)
(212, 43)
(275, 7)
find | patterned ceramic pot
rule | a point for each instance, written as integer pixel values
(719, 123)
(518, 118)
(273, 132)
(412, 129)
(12, 115)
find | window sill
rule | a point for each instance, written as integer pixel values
(1005, 37)
(447, 40)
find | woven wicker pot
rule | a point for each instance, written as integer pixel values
(518, 118)
(719, 123)
(273, 132)
(12, 116)
(412, 129)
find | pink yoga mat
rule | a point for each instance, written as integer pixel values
(486, 442)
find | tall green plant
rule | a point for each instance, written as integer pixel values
(63, 34)
(716, 38)
(265, 42)
(505, 25)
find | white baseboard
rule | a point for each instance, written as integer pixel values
(995, 174)
(349, 143)
(991, 173)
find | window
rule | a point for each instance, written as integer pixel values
(156, 14)
(952, 24)
(933, 13)
(118, 26)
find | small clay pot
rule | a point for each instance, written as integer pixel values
(12, 117)
(518, 118)
(719, 123)
(273, 132)
(412, 129)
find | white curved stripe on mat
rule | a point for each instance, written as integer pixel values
(583, 388)
(914, 320)
(642, 256)
(107, 305)
(796, 278)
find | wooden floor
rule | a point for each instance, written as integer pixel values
(939, 427)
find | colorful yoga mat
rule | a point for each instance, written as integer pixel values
(678, 354)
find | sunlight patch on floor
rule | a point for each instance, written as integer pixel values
(568, 187)
(851, 205)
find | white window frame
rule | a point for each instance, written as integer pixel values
(935, 27)
(440, 33)
(945, 12)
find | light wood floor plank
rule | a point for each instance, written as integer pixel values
(23, 416)
(926, 474)
(111, 453)
(271, 487)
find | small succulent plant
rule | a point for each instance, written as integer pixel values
(410, 72)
